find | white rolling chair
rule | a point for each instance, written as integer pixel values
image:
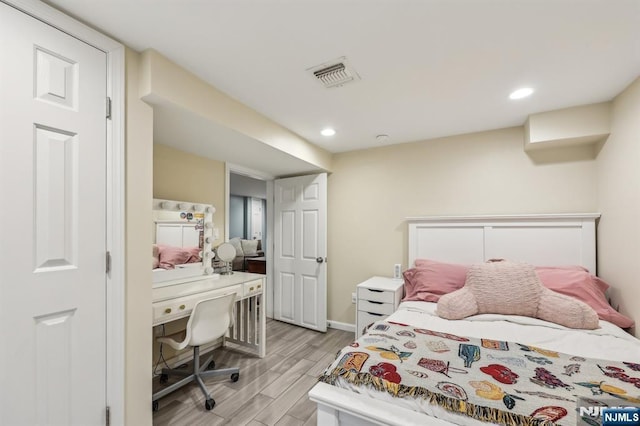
(209, 320)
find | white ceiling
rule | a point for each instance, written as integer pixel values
(428, 68)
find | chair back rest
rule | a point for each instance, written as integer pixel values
(210, 319)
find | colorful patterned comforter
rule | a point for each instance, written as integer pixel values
(488, 380)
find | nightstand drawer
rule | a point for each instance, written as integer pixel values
(377, 298)
(375, 295)
(375, 307)
(365, 319)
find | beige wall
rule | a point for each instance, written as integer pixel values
(138, 337)
(618, 183)
(181, 176)
(371, 192)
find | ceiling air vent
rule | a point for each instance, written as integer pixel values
(335, 73)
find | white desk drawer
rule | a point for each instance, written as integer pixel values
(182, 306)
(253, 287)
(375, 307)
(375, 295)
(365, 319)
(172, 309)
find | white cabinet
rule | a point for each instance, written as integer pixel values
(376, 298)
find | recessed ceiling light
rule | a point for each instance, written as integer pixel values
(521, 93)
(328, 132)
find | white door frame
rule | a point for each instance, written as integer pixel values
(115, 191)
(267, 241)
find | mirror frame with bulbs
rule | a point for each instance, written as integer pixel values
(166, 277)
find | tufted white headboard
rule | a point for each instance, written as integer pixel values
(546, 239)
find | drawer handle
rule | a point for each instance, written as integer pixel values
(375, 291)
(375, 314)
(373, 301)
(250, 288)
(167, 311)
(259, 285)
(182, 307)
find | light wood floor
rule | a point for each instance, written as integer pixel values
(271, 391)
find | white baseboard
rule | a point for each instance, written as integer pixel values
(342, 326)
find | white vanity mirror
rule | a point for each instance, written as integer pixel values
(183, 233)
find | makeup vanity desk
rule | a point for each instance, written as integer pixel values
(175, 299)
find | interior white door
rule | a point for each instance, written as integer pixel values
(53, 225)
(300, 246)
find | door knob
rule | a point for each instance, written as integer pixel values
(319, 259)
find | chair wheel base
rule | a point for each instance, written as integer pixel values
(211, 365)
(235, 377)
(164, 378)
(155, 405)
(209, 404)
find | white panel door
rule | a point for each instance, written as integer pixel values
(300, 246)
(52, 236)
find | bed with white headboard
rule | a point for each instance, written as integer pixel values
(553, 240)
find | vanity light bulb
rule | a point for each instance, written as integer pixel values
(208, 225)
(197, 208)
(183, 206)
(210, 209)
(167, 205)
(207, 240)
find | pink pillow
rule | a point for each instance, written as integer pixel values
(431, 279)
(171, 256)
(585, 287)
(514, 289)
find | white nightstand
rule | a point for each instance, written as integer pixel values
(376, 298)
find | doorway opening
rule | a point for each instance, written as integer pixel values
(247, 207)
(249, 223)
